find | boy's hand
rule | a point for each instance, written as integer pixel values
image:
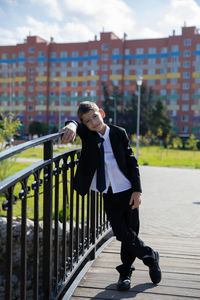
(69, 133)
(135, 200)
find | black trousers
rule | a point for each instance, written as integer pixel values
(125, 225)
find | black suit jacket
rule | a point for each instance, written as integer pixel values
(90, 155)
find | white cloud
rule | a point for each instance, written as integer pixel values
(84, 19)
(180, 11)
(42, 29)
(52, 8)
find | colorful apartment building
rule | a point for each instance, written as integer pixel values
(45, 81)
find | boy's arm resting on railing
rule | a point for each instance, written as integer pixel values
(71, 129)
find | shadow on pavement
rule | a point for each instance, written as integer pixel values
(111, 291)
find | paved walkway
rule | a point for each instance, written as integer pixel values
(170, 223)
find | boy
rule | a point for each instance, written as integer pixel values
(108, 165)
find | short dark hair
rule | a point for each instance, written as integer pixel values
(85, 107)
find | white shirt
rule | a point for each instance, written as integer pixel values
(114, 176)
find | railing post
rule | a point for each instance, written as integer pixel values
(93, 222)
(47, 222)
(9, 246)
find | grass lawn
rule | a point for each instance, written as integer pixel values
(158, 156)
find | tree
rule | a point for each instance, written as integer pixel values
(38, 128)
(159, 121)
(130, 111)
(9, 126)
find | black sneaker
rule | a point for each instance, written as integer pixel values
(154, 270)
(124, 283)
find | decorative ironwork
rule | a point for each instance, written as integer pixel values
(66, 227)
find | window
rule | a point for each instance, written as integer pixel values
(173, 91)
(163, 92)
(53, 64)
(186, 64)
(164, 50)
(186, 53)
(197, 69)
(63, 54)
(186, 86)
(31, 59)
(53, 54)
(185, 97)
(104, 77)
(173, 81)
(174, 59)
(74, 74)
(198, 46)
(104, 67)
(21, 55)
(52, 94)
(172, 113)
(163, 71)
(151, 71)
(186, 75)
(114, 72)
(173, 102)
(116, 51)
(74, 93)
(139, 61)
(30, 108)
(104, 56)
(151, 82)
(85, 53)
(30, 88)
(197, 80)
(139, 51)
(40, 94)
(4, 56)
(163, 60)
(115, 82)
(174, 70)
(40, 63)
(175, 48)
(126, 72)
(127, 82)
(93, 82)
(187, 42)
(127, 51)
(31, 50)
(74, 53)
(93, 62)
(31, 70)
(75, 63)
(197, 57)
(115, 61)
(40, 54)
(185, 107)
(93, 72)
(152, 50)
(104, 47)
(163, 81)
(84, 83)
(138, 72)
(63, 83)
(185, 129)
(152, 60)
(185, 118)
(94, 52)
(74, 83)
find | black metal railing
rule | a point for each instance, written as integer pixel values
(56, 230)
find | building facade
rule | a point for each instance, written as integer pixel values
(46, 81)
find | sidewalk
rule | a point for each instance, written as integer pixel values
(170, 223)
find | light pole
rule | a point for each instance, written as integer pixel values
(139, 83)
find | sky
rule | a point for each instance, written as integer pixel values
(80, 20)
